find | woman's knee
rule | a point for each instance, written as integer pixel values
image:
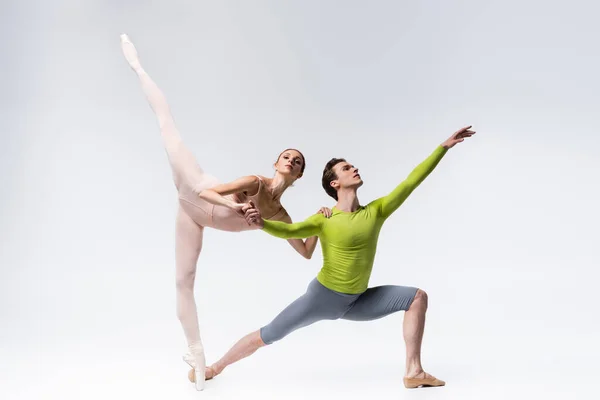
(185, 281)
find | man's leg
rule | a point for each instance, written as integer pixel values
(245, 347)
(380, 301)
(318, 303)
(414, 327)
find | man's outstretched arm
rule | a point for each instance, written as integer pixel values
(299, 230)
(392, 201)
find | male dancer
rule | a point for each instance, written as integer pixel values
(349, 241)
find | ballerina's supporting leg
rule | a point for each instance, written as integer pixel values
(188, 244)
(188, 233)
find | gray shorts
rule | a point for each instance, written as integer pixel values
(320, 303)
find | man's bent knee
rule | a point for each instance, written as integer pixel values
(420, 300)
(257, 339)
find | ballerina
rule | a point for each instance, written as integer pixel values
(206, 202)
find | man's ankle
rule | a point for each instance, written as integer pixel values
(217, 369)
(413, 368)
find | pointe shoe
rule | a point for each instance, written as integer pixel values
(189, 360)
(130, 53)
(413, 383)
(198, 364)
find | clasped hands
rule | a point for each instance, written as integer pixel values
(254, 217)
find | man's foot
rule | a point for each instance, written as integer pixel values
(209, 373)
(421, 379)
(130, 53)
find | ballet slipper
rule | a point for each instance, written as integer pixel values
(192, 374)
(412, 383)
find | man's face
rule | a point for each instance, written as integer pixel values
(347, 176)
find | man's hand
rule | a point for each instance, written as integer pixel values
(253, 216)
(458, 137)
(325, 211)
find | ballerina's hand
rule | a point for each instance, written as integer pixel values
(240, 208)
(325, 211)
(248, 206)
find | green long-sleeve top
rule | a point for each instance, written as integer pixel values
(349, 239)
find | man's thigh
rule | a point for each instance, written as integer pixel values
(380, 301)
